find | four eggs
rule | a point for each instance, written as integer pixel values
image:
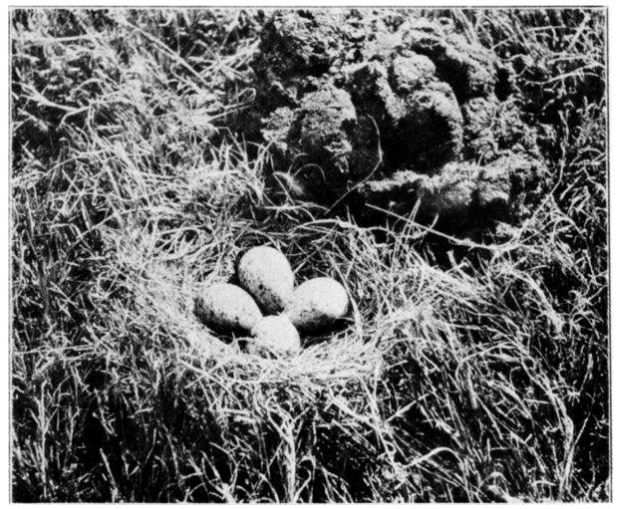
(269, 307)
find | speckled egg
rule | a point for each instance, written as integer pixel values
(275, 335)
(266, 274)
(227, 308)
(317, 304)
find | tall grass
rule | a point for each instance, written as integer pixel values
(482, 378)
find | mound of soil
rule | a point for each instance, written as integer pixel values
(362, 109)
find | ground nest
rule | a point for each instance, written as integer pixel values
(392, 117)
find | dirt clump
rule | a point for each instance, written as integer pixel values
(465, 196)
(409, 116)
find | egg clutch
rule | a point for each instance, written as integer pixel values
(268, 307)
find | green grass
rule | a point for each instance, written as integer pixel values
(465, 373)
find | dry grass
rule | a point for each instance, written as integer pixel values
(481, 378)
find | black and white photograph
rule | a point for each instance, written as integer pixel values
(308, 254)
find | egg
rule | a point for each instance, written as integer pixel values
(274, 334)
(266, 274)
(317, 304)
(227, 308)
